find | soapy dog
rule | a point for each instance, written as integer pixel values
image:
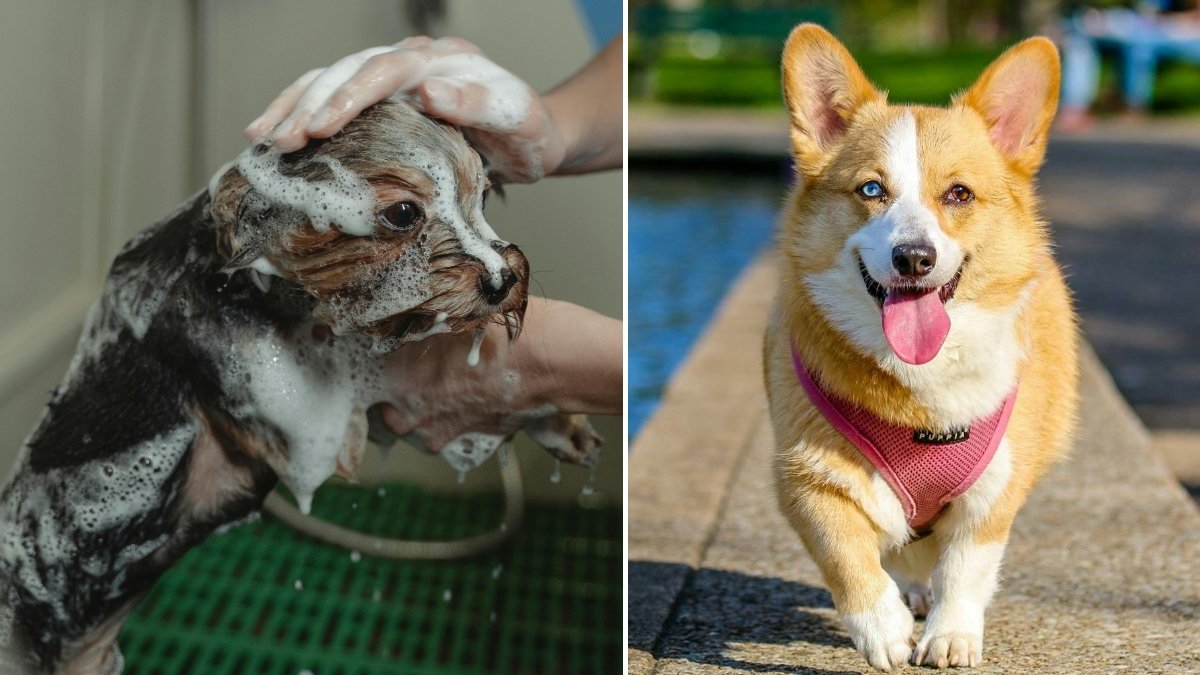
(238, 342)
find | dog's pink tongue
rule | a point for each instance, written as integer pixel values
(915, 324)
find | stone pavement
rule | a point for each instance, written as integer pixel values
(1102, 572)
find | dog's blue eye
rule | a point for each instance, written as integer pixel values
(401, 217)
(872, 190)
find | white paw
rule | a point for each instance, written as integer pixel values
(883, 635)
(949, 650)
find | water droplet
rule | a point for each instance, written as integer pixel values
(557, 475)
(298, 585)
(381, 492)
(355, 556)
(446, 595)
(496, 571)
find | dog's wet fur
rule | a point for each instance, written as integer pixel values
(146, 447)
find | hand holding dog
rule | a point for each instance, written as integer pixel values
(563, 359)
(521, 134)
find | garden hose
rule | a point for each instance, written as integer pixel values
(396, 549)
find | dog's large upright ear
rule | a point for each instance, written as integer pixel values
(824, 87)
(1017, 96)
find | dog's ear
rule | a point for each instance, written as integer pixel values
(246, 220)
(823, 87)
(227, 193)
(1017, 96)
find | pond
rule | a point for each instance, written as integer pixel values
(691, 233)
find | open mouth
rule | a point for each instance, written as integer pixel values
(915, 321)
(880, 292)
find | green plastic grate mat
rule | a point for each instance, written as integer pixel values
(262, 598)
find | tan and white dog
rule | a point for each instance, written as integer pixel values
(919, 294)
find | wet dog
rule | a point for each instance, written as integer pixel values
(237, 343)
(921, 359)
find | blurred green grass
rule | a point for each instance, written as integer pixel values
(932, 77)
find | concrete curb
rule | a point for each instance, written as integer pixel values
(688, 450)
(1101, 573)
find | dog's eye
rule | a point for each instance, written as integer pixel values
(401, 217)
(959, 194)
(872, 189)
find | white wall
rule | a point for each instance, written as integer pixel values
(113, 112)
(93, 141)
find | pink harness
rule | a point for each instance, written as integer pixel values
(927, 470)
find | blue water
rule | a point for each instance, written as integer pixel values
(690, 236)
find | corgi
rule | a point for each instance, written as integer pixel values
(920, 360)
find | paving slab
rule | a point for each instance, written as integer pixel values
(1102, 573)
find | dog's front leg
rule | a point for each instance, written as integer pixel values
(964, 580)
(970, 538)
(846, 546)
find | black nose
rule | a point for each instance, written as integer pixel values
(914, 261)
(496, 296)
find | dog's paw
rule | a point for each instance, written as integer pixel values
(883, 635)
(570, 438)
(949, 650)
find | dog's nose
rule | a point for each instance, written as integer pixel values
(914, 260)
(496, 295)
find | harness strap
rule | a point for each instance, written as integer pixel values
(926, 470)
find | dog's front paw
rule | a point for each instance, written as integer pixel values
(570, 438)
(884, 634)
(953, 650)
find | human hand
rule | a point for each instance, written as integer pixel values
(501, 116)
(445, 406)
(567, 360)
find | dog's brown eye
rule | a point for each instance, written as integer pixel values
(959, 194)
(401, 217)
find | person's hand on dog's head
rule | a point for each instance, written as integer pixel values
(501, 115)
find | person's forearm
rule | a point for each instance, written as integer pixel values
(587, 110)
(576, 356)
